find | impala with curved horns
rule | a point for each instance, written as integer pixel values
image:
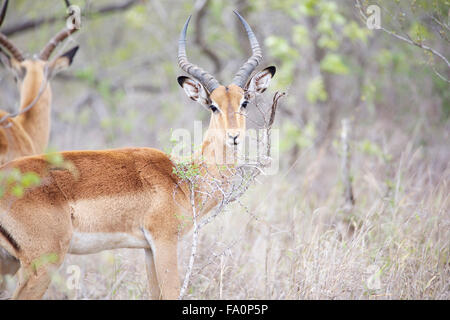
(122, 198)
(27, 133)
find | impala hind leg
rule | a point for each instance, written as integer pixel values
(166, 265)
(155, 292)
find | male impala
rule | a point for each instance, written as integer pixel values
(123, 198)
(28, 133)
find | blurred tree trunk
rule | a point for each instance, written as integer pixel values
(327, 109)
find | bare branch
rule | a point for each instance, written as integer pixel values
(115, 86)
(408, 40)
(27, 25)
(227, 187)
(201, 7)
(276, 98)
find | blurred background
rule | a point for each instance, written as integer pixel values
(378, 230)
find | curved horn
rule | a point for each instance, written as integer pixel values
(3, 12)
(60, 36)
(51, 45)
(201, 75)
(247, 68)
(4, 40)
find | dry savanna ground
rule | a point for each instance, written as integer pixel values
(291, 239)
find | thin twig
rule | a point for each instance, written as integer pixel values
(193, 247)
(225, 188)
(408, 40)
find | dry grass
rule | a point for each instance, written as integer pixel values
(307, 248)
(295, 242)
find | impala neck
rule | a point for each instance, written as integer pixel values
(213, 163)
(209, 155)
(36, 121)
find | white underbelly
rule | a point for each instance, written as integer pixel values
(86, 242)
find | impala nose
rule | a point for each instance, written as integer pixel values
(233, 136)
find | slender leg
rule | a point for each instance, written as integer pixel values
(155, 292)
(32, 285)
(165, 259)
(8, 265)
(35, 274)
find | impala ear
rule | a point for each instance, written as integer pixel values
(259, 82)
(62, 62)
(12, 64)
(194, 90)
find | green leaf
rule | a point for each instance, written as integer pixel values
(354, 32)
(300, 36)
(280, 48)
(328, 42)
(136, 17)
(316, 90)
(332, 63)
(17, 190)
(30, 179)
(86, 74)
(54, 158)
(309, 7)
(44, 260)
(418, 32)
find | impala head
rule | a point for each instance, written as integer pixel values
(227, 104)
(39, 66)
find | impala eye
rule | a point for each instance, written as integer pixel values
(244, 104)
(213, 108)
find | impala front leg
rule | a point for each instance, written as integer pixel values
(155, 292)
(166, 264)
(162, 267)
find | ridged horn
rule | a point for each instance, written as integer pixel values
(247, 68)
(4, 41)
(53, 43)
(206, 79)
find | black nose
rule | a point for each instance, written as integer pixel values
(234, 137)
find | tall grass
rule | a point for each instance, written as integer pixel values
(292, 240)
